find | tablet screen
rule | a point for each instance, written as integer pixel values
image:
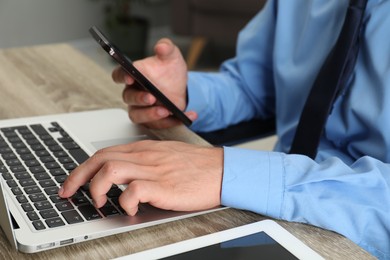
(256, 246)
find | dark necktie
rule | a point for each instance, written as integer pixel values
(330, 81)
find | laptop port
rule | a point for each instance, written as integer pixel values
(67, 241)
(45, 246)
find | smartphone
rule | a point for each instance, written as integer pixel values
(128, 66)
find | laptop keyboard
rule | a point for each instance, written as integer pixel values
(35, 161)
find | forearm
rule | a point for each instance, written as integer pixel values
(244, 86)
(353, 200)
(219, 101)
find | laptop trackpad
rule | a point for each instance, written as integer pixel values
(106, 143)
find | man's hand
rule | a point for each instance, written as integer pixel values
(167, 70)
(168, 175)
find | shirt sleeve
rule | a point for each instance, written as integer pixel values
(243, 88)
(342, 190)
(351, 200)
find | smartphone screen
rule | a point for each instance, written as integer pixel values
(128, 66)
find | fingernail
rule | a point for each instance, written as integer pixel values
(162, 112)
(128, 79)
(61, 191)
(96, 204)
(132, 212)
(192, 115)
(147, 99)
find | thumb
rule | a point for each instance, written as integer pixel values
(165, 49)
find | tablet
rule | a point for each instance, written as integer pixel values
(261, 240)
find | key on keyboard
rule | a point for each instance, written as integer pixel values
(35, 161)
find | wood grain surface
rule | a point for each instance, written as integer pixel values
(52, 79)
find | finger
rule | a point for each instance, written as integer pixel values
(169, 122)
(121, 76)
(140, 115)
(136, 97)
(163, 123)
(134, 148)
(116, 172)
(84, 172)
(140, 191)
(120, 148)
(157, 116)
(164, 49)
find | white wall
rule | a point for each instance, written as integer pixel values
(31, 22)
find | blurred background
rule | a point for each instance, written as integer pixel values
(204, 30)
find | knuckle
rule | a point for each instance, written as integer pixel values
(132, 96)
(99, 152)
(145, 142)
(141, 145)
(114, 75)
(131, 115)
(124, 94)
(127, 95)
(133, 190)
(135, 187)
(97, 157)
(117, 75)
(109, 168)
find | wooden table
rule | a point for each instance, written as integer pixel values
(57, 78)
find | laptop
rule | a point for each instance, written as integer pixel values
(36, 156)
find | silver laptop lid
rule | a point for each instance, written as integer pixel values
(5, 218)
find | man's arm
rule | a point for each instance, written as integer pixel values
(353, 200)
(243, 88)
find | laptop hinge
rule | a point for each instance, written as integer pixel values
(6, 218)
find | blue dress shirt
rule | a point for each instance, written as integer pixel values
(279, 53)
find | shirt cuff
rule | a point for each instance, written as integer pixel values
(196, 99)
(253, 180)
